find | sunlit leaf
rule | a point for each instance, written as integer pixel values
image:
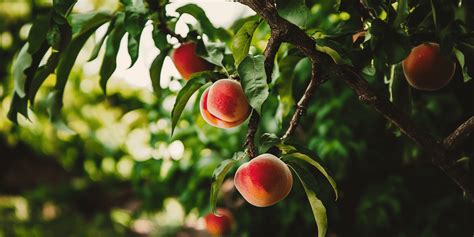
(295, 11)
(155, 71)
(219, 175)
(196, 81)
(112, 45)
(242, 39)
(23, 61)
(134, 22)
(201, 17)
(254, 80)
(461, 60)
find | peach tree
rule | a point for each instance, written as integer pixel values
(370, 46)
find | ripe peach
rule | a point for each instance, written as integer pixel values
(264, 180)
(224, 104)
(427, 69)
(219, 225)
(187, 61)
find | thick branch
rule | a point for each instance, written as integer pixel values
(292, 34)
(456, 138)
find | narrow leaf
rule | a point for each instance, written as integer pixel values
(254, 80)
(22, 62)
(317, 206)
(218, 177)
(134, 22)
(462, 63)
(317, 165)
(242, 39)
(402, 12)
(195, 82)
(201, 17)
(155, 71)
(18, 106)
(38, 32)
(98, 46)
(109, 63)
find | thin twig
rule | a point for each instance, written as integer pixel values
(304, 100)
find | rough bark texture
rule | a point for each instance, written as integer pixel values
(441, 152)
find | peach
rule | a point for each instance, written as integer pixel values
(264, 180)
(187, 61)
(219, 225)
(427, 69)
(224, 104)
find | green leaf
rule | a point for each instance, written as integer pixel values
(54, 37)
(317, 165)
(388, 44)
(109, 63)
(242, 39)
(403, 10)
(135, 19)
(201, 17)
(317, 206)
(218, 177)
(211, 52)
(196, 81)
(23, 62)
(84, 22)
(267, 141)
(98, 46)
(63, 7)
(294, 11)
(159, 38)
(254, 80)
(38, 33)
(334, 50)
(41, 74)
(155, 71)
(67, 60)
(284, 86)
(461, 60)
(18, 106)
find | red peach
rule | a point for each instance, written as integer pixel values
(187, 61)
(264, 180)
(224, 104)
(427, 69)
(219, 225)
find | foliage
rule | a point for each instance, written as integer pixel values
(142, 153)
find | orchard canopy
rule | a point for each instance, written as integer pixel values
(244, 118)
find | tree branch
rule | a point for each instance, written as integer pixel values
(456, 138)
(270, 52)
(441, 157)
(303, 102)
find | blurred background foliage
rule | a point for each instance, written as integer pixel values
(114, 170)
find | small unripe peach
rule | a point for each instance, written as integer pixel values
(264, 180)
(427, 69)
(187, 61)
(224, 104)
(219, 225)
